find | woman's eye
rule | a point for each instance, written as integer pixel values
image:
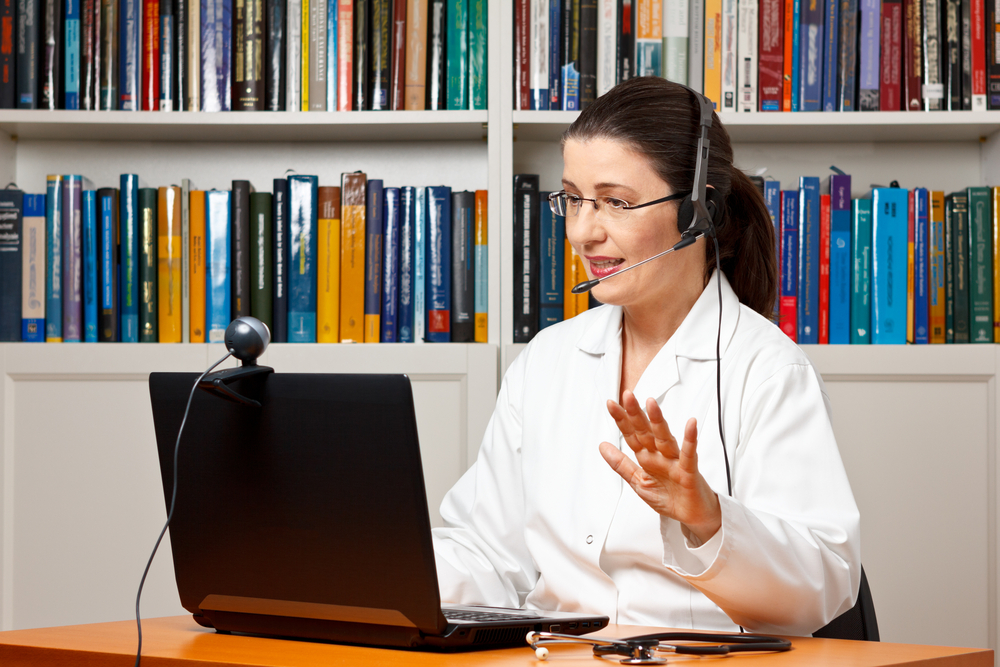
(572, 199)
(615, 203)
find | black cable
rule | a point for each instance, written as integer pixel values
(170, 513)
(718, 367)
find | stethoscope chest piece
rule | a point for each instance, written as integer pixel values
(642, 652)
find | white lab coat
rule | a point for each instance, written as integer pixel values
(541, 521)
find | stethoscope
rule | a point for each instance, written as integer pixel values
(644, 649)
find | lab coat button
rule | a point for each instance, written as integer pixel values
(590, 539)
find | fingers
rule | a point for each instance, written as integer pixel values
(620, 463)
(689, 448)
(664, 439)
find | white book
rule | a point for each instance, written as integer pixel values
(194, 56)
(185, 260)
(729, 34)
(675, 40)
(746, 52)
(539, 54)
(293, 53)
(607, 45)
(696, 45)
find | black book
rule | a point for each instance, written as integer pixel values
(11, 234)
(279, 222)
(992, 58)
(960, 255)
(182, 85)
(966, 23)
(107, 266)
(362, 16)
(108, 94)
(437, 40)
(526, 221)
(248, 44)
(626, 40)
(240, 248)
(934, 55)
(51, 79)
(381, 51)
(27, 61)
(149, 327)
(274, 57)
(588, 52)
(7, 63)
(463, 306)
(953, 57)
(568, 52)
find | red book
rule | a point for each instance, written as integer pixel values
(397, 70)
(151, 55)
(788, 315)
(914, 58)
(345, 55)
(770, 74)
(978, 11)
(522, 50)
(786, 65)
(891, 55)
(824, 269)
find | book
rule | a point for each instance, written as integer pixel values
(274, 57)
(788, 44)
(279, 219)
(811, 56)
(952, 47)
(328, 266)
(772, 199)
(345, 54)
(148, 301)
(457, 54)
(949, 270)
(847, 64)
(921, 282)
(992, 57)
(415, 84)
(185, 260)
(150, 43)
(107, 266)
(869, 45)
(913, 56)
(588, 52)
(526, 256)
(861, 274)
(11, 253)
(407, 239)
(198, 263)
(192, 60)
(823, 334)
(332, 33)
(910, 268)
(91, 285)
(51, 76)
(438, 290)
(696, 45)
(168, 65)
(569, 81)
(391, 230)
(397, 65)
(771, 31)
(713, 52)
(71, 55)
(676, 17)
(965, 39)
(129, 56)
(649, 38)
(891, 49)
(538, 57)
(889, 262)
(840, 259)
(53, 259)
(28, 56)
(788, 304)
(72, 258)
(980, 265)
(795, 56)
(420, 266)
(746, 52)
(960, 262)
(248, 47)
(180, 84)
(293, 55)
(239, 218)
(216, 55)
(303, 207)
(831, 55)
(478, 72)
(315, 68)
(352, 257)
(936, 252)
(218, 309)
(305, 54)
(996, 261)
(808, 273)
(362, 53)
(522, 50)
(934, 54)
(373, 260)
(462, 310)
(128, 219)
(481, 261)
(977, 27)
(169, 275)
(33, 270)
(552, 272)
(262, 258)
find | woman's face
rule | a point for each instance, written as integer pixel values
(609, 168)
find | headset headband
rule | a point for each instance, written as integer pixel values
(701, 221)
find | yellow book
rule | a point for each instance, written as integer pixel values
(713, 52)
(305, 55)
(910, 272)
(168, 276)
(196, 264)
(582, 300)
(574, 273)
(482, 269)
(937, 261)
(328, 267)
(352, 258)
(996, 264)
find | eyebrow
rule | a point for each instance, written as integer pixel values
(602, 186)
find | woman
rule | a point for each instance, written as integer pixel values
(543, 521)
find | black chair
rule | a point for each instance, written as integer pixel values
(858, 622)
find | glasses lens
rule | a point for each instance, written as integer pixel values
(613, 209)
(557, 202)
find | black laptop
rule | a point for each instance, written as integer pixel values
(307, 517)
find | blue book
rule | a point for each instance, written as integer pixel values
(279, 217)
(555, 40)
(303, 220)
(551, 286)
(407, 237)
(53, 259)
(861, 260)
(72, 260)
(438, 264)
(420, 267)
(831, 55)
(811, 56)
(808, 297)
(921, 266)
(373, 260)
(216, 52)
(129, 37)
(772, 199)
(847, 63)
(90, 287)
(218, 258)
(796, 50)
(225, 69)
(331, 53)
(869, 43)
(889, 265)
(107, 248)
(788, 308)
(128, 220)
(167, 62)
(840, 259)
(72, 54)
(33, 254)
(390, 265)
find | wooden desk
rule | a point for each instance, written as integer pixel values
(179, 642)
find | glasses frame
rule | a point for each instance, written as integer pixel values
(555, 195)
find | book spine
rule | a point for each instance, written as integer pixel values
(328, 266)
(420, 267)
(675, 40)
(303, 203)
(848, 60)
(965, 36)
(148, 301)
(478, 61)
(727, 89)
(996, 261)
(949, 269)
(713, 52)
(890, 90)
(649, 37)
(772, 199)
(198, 252)
(185, 205)
(910, 266)
(840, 260)
(747, 56)
(150, 55)
(128, 210)
(960, 253)
(789, 29)
(953, 57)
(808, 295)
(870, 44)
(977, 11)
(331, 54)
(522, 51)
(390, 265)
(193, 60)
(921, 256)
(551, 274)
(305, 55)
(539, 56)
(27, 59)
(167, 64)
(217, 257)
(481, 261)
(248, 71)
(352, 257)
(607, 55)
(788, 305)
(33, 274)
(980, 265)
(90, 55)
(526, 256)
(936, 252)
(992, 56)
(569, 83)
(345, 56)
(588, 52)
(889, 261)
(71, 55)
(407, 221)
(462, 267)
(696, 45)
(555, 50)
(570, 278)
(107, 244)
(823, 333)
(224, 71)
(210, 55)
(90, 286)
(261, 258)
(457, 53)
(796, 55)
(318, 55)
(415, 90)
(51, 76)
(279, 218)
(72, 258)
(932, 90)
(373, 260)
(180, 84)
(913, 59)
(397, 66)
(11, 252)
(438, 264)
(170, 270)
(861, 277)
(130, 60)
(811, 56)
(274, 59)
(53, 260)
(831, 53)
(362, 55)
(240, 253)
(293, 56)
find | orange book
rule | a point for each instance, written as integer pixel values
(996, 263)
(328, 267)
(482, 267)
(786, 73)
(937, 263)
(352, 258)
(713, 52)
(574, 273)
(168, 276)
(415, 82)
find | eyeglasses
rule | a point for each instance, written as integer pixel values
(568, 205)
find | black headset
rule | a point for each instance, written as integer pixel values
(703, 209)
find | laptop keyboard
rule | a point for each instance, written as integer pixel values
(481, 616)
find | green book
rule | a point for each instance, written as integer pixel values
(148, 331)
(980, 265)
(960, 255)
(949, 270)
(477, 54)
(261, 278)
(457, 54)
(861, 274)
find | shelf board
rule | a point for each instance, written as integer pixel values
(807, 127)
(260, 126)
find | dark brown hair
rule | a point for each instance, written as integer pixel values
(659, 120)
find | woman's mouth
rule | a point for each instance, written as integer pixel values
(604, 266)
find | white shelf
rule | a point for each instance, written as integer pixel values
(260, 126)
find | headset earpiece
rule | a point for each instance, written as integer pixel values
(714, 202)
